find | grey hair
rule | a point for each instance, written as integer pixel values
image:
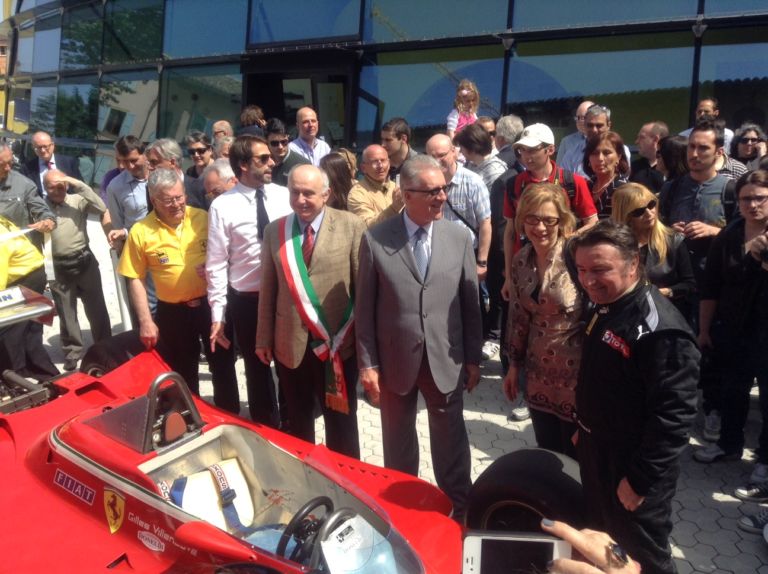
(509, 128)
(220, 166)
(326, 181)
(167, 149)
(220, 143)
(412, 168)
(597, 109)
(162, 179)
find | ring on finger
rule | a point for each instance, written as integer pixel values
(616, 556)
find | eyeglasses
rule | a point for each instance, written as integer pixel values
(279, 143)
(433, 192)
(534, 220)
(756, 199)
(750, 140)
(169, 201)
(154, 162)
(641, 210)
(263, 158)
(579, 118)
(42, 147)
(198, 150)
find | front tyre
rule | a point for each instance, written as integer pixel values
(521, 488)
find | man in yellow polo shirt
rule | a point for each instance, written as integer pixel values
(170, 244)
(21, 345)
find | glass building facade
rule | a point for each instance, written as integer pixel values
(90, 71)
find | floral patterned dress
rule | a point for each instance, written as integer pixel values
(545, 332)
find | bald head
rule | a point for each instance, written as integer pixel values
(441, 148)
(56, 185)
(308, 191)
(42, 144)
(581, 111)
(375, 163)
(307, 124)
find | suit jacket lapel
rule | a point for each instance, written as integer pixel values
(400, 245)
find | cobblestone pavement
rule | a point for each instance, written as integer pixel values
(705, 536)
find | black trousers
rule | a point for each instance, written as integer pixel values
(302, 385)
(744, 359)
(21, 345)
(644, 533)
(553, 433)
(262, 403)
(182, 328)
(447, 435)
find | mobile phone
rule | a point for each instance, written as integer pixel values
(487, 552)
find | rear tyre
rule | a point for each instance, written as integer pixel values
(521, 488)
(106, 356)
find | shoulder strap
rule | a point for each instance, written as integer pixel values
(569, 183)
(728, 200)
(461, 218)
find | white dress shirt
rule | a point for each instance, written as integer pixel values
(412, 228)
(234, 247)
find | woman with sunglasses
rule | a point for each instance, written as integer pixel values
(607, 166)
(544, 331)
(662, 251)
(748, 145)
(200, 152)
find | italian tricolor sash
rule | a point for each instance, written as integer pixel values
(325, 346)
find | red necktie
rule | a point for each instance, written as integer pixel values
(308, 245)
(50, 165)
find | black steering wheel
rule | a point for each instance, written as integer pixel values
(304, 527)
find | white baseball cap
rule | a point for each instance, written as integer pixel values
(536, 135)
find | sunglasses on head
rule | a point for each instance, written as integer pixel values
(641, 210)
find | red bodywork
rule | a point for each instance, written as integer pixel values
(63, 480)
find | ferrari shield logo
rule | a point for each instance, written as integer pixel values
(114, 507)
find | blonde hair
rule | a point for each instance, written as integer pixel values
(350, 158)
(458, 103)
(631, 196)
(536, 195)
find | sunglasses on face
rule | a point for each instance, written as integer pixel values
(434, 191)
(197, 150)
(750, 140)
(641, 210)
(278, 143)
(263, 158)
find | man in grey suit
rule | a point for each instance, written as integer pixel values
(418, 328)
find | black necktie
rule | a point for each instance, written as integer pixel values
(262, 219)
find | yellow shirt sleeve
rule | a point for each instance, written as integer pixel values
(133, 262)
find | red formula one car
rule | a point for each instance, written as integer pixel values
(126, 471)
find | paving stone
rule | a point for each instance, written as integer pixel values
(724, 540)
(683, 533)
(700, 557)
(683, 566)
(739, 563)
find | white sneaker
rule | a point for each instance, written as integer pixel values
(520, 413)
(760, 474)
(490, 350)
(712, 426)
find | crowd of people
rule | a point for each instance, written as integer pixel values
(612, 288)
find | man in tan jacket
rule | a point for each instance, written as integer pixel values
(306, 322)
(375, 198)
